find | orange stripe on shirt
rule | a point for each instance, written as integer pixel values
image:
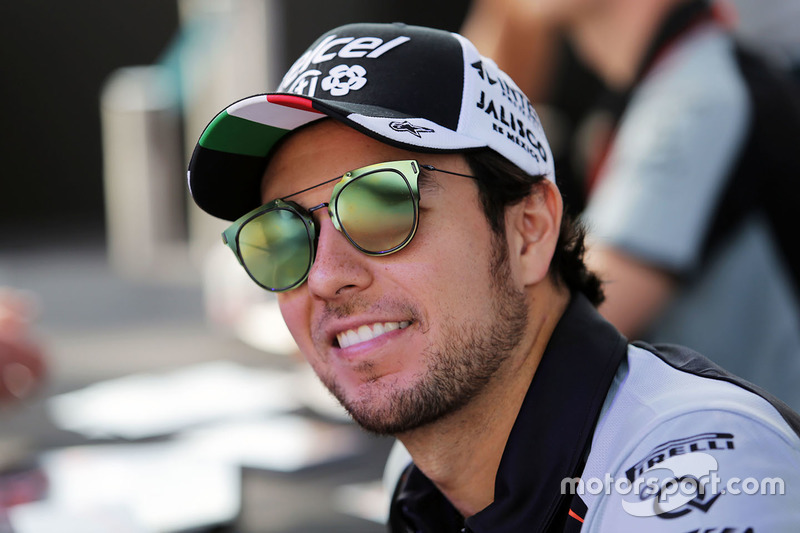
(574, 515)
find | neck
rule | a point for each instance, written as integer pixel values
(461, 453)
(612, 39)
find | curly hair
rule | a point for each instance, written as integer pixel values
(502, 184)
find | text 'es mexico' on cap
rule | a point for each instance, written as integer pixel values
(416, 88)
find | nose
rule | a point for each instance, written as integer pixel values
(338, 268)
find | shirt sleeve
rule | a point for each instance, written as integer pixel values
(738, 475)
(676, 144)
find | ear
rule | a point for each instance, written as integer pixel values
(532, 228)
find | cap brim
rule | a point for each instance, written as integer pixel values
(227, 164)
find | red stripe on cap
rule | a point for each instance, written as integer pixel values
(290, 100)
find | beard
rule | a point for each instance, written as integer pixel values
(457, 370)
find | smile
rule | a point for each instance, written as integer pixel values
(365, 333)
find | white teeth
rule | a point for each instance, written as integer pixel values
(365, 333)
(351, 337)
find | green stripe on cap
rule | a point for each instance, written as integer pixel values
(228, 133)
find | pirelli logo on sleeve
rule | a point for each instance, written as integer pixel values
(697, 443)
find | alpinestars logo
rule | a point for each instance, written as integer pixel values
(344, 78)
(405, 125)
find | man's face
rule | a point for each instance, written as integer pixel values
(429, 325)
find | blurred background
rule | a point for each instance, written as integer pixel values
(171, 397)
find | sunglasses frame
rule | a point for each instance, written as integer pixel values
(408, 170)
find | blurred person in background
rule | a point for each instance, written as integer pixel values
(22, 362)
(690, 183)
(398, 194)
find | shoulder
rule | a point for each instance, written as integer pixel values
(698, 73)
(677, 449)
(667, 383)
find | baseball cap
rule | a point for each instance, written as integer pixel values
(417, 88)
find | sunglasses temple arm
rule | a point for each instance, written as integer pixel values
(433, 168)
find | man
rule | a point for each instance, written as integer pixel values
(691, 205)
(397, 192)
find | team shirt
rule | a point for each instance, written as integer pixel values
(619, 437)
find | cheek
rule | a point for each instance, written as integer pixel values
(296, 316)
(452, 263)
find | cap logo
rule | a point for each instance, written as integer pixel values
(404, 125)
(344, 78)
(303, 77)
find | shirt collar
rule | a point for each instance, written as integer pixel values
(549, 439)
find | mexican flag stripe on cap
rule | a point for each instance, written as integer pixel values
(251, 126)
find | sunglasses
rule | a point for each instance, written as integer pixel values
(375, 207)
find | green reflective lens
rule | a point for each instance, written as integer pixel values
(377, 211)
(276, 249)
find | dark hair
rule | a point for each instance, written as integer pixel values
(502, 184)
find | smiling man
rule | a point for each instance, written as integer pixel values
(397, 191)
(404, 340)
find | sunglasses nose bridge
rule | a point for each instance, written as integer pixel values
(318, 207)
(333, 218)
